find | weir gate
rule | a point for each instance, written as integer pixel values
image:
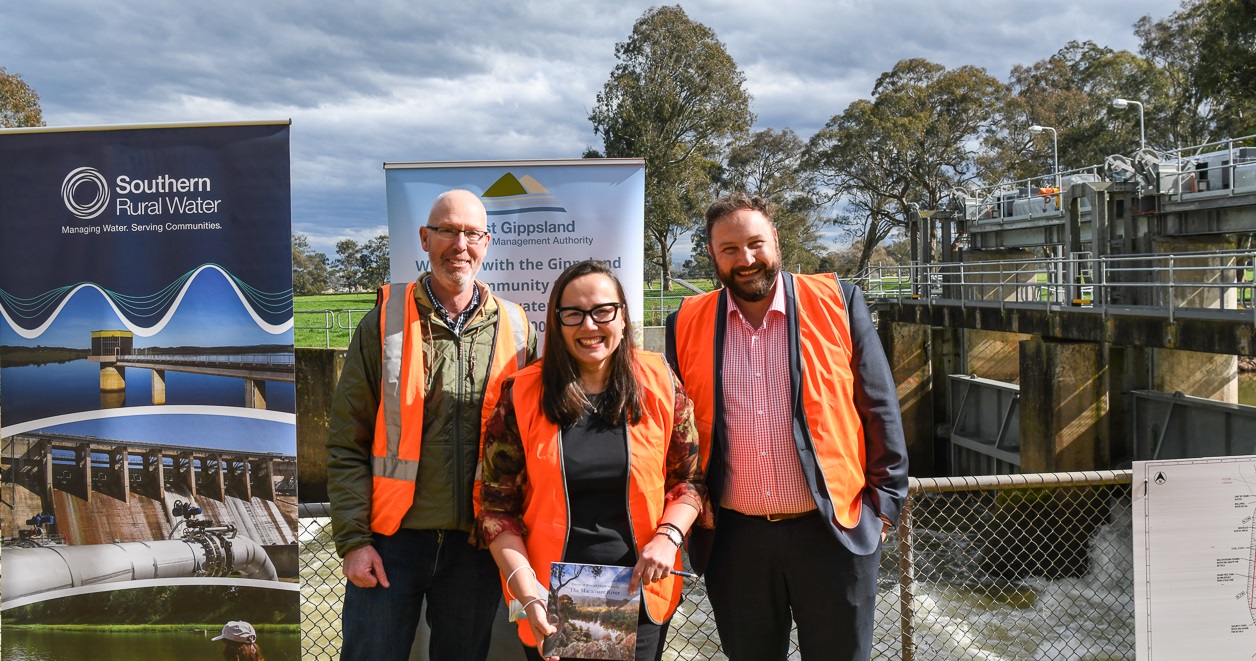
(1079, 322)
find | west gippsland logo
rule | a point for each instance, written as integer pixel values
(85, 192)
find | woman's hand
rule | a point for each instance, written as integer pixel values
(656, 562)
(541, 627)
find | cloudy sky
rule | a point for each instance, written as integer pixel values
(397, 80)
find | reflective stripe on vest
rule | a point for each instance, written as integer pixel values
(545, 507)
(827, 384)
(399, 420)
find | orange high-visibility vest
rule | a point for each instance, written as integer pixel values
(827, 383)
(545, 505)
(399, 420)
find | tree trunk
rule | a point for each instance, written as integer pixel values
(665, 267)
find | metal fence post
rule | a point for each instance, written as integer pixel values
(906, 577)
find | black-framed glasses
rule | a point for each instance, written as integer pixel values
(451, 234)
(601, 314)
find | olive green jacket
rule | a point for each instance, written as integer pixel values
(457, 371)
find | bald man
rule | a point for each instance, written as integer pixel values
(403, 447)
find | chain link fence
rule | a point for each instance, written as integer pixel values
(1034, 566)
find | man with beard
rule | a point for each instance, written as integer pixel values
(799, 424)
(422, 373)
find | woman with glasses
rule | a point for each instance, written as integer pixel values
(591, 457)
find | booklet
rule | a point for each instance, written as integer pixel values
(596, 616)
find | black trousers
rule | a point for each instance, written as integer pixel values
(761, 572)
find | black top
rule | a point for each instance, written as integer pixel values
(595, 465)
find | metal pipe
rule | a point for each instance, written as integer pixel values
(43, 569)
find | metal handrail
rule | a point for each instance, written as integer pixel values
(1083, 280)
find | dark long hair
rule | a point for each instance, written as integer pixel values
(562, 398)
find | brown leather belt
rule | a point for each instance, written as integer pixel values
(774, 518)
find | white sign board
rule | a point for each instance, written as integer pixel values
(542, 216)
(1194, 550)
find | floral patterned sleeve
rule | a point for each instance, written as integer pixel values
(685, 481)
(504, 478)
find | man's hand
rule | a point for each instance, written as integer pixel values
(364, 568)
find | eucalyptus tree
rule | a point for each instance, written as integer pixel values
(19, 102)
(675, 98)
(914, 141)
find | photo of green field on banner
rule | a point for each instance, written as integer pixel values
(597, 617)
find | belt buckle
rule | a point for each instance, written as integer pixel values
(775, 518)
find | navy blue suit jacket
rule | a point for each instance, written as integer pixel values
(876, 399)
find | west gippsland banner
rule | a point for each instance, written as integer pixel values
(147, 387)
(542, 217)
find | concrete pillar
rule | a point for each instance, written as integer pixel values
(159, 387)
(83, 468)
(1212, 376)
(317, 371)
(946, 357)
(153, 484)
(993, 355)
(1209, 375)
(185, 471)
(907, 348)
(254, 394)
(1064, 406)
(112, 378)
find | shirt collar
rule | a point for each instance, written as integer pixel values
(454, 324)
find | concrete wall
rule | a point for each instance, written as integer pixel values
(317, 373)
(1064, 407)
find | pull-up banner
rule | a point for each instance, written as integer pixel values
(147, 444)
(542, 217)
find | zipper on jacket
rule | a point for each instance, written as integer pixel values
(458, 496)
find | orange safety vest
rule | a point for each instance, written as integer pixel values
(545, 505)
(399, 420)
(827, 383)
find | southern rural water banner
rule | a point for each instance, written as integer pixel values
(542, 216)
(147, 444)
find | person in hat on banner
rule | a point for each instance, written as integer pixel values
(422, 374)
(239, 642)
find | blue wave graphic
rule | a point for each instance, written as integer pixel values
(147, 315)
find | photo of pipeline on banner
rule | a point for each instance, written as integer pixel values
(543, 216)
(147, 437)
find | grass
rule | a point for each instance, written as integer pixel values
(325, 320)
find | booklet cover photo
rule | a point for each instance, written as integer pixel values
(597, 617)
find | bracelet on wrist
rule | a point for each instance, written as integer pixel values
(533, 600)
(671, 535)
(673, 526)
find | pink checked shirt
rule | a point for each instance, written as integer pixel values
(762, 474)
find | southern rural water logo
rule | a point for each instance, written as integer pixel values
(85, 192)
(512, 195)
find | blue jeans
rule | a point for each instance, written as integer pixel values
(462, 588)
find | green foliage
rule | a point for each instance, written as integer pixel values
(909, 145)
(770, 164)
(1071, 91)
(311, 273)
(674, 98)
(19, 102)
(362, 267)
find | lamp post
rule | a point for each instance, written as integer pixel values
(1055, 151)
(1122, 104)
